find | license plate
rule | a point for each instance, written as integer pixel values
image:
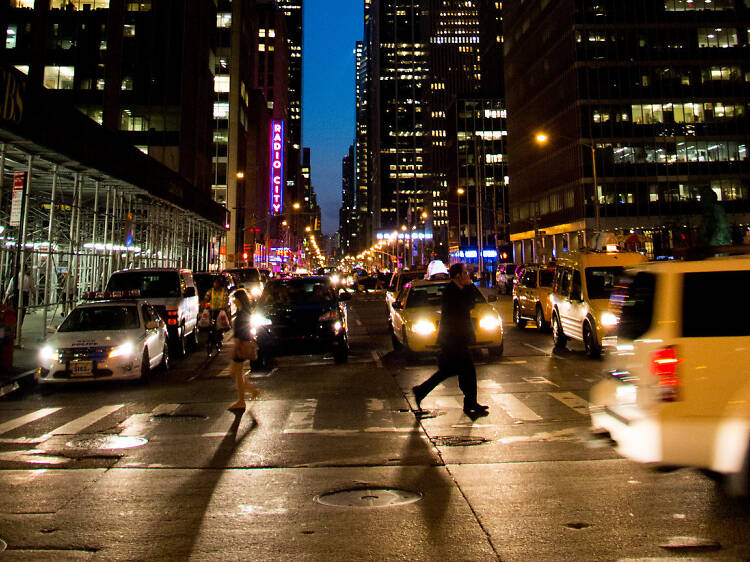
(81, 368)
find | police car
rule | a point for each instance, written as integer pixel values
(113, 336)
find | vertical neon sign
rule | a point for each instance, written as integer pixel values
(277, 167)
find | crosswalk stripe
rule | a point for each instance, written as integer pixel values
(165, 409)
(81, 423)
(572, 401)
(302, 416)
(28, 418)
(515, 408)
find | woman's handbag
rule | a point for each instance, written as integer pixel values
(245, 350)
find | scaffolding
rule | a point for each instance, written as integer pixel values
(78, 225)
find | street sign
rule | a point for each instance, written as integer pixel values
(19, 180)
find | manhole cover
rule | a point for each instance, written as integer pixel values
(369, 497)
(578, 525)
(107, 442)
(458, 441)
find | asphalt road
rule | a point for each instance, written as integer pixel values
(200, 483)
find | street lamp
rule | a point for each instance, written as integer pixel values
(542, 138)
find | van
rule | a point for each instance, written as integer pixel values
(172, 292)
(677, 388)
(583, 282)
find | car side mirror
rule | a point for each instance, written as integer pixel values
(190, 292)
(344, 296)
(152, 325)
(397, 306)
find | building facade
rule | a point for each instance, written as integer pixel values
(348, 227)
(644, 109)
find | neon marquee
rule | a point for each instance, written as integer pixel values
(277, 167)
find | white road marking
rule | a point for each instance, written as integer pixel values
(302, 416)
(535, 348)
(376, 357)
(165, 409)
(572, 401)
(448, 402)
(508, 362)
(539, 380)
(28, 418)
(32, 456)
(270, 373)
(81, 423)
(569, 434)
(490, 385)
(515, 408)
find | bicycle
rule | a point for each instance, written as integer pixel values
(215, 339)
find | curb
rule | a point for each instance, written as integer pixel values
(11, 384)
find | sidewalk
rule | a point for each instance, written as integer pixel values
(25, 356)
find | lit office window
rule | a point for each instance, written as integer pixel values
(128, 30)
(698, 5)
(59, 77)
(78, 4)
(221, 83)
(22, 68)
(22, 4)
(142, 6)
(221, 110)
(127, 83)
(722, 37)
(10, 37)
(224, 19)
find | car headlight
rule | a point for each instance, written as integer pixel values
(335, 279)
(48, 354)
(123, 350)
(490, 322)
(609, 319)
(256, 292)
(424, 328)
(258, 320)
(337, 326)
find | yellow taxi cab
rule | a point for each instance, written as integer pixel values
(583, 283)
(531, 296)
(398, 281)
(415, 319)
(677, 388)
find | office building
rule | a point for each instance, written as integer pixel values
(348, 227)
(644, 109)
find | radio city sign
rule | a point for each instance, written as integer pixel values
(277, 167)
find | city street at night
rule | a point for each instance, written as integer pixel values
(162, 470)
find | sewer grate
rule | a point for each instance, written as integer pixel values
(368, 497)
(458, 441)
(107, 442)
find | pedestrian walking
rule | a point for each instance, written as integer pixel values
(455, 335)
(244, 349)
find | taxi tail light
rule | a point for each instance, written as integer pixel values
(664, 364)
(171, 317)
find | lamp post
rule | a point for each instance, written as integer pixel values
(542, 138)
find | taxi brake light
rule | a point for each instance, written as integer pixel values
(664, 365)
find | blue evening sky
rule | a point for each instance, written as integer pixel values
(331, 29)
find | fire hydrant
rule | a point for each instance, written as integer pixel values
(7, 335)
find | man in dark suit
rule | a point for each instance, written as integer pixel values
(455, 336)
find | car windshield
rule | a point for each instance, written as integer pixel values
(545, 277)
(151, 284)
(94, 318)
(601, 281)
(289, 292)
(245, 275)
(432, 295)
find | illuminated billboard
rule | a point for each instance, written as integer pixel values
(277, 167)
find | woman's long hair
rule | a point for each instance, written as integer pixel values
(242, 300)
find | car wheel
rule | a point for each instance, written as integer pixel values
(593, 349)
(517, 320)
(558, 336)
(164, 365)
(541, 323)
(145, 367)
(496, 352)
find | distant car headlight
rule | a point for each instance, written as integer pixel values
(258, 320)
(48, 354)
(337, 326)
(256, 292)
(335, 279)
(424, 328)
(608, 319)
(123, 350)
(490, 322)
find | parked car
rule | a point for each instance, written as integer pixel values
(415, 319)
(677, 388)
(301, 315)
(583, 283)
(108, 339)
(172, 292)
(531, 296)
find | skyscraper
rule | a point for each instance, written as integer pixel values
(644, 108)
(348, 231)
